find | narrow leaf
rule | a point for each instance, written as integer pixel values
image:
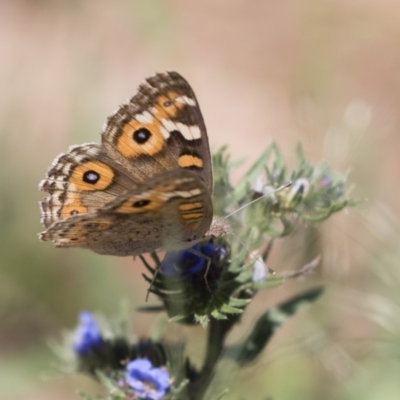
(266, 325)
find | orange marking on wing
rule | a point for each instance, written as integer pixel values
(190, 206)
(79, 231)
(187, 160)
(104, 172)
(94, 224)
(129, 148)
(193, 216)
(73, 207)
(141, 205)
(166, 105)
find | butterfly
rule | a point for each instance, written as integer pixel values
(147, 186)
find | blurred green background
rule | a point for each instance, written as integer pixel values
(323, 73)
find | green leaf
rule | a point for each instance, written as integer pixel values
(266, 325)
(226, 308)
(235, 302)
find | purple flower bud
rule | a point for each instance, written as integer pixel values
(87, 335)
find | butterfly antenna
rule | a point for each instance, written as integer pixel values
(284, 186)
(262, 258)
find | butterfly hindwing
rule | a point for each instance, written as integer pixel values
(169, 211)
(81, 181)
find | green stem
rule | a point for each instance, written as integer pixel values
(218, 330)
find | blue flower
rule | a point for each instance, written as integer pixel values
(87, 335)
(146, 381)
(192, 261)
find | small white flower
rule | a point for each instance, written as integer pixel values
(260, 271)
(300, 187)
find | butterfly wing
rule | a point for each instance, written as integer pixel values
(81, 181)
(169, 211)
(158, 136)
(161, 128)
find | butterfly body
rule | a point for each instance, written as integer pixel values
(147, 186)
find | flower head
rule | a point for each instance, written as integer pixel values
(191, 262)
(196, 283)
(146, 381)
(87, 335)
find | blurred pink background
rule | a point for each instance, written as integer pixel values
(323, 73)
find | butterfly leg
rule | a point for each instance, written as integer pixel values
(208, 260)
(155, 271)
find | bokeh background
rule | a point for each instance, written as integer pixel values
(325, 73)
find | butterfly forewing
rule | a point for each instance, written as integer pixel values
(160, 129)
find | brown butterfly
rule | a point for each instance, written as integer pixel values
(147, 186)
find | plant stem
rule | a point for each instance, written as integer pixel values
(217, 331)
